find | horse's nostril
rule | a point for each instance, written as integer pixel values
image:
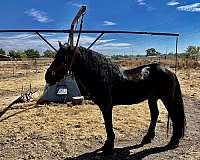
(53, 73)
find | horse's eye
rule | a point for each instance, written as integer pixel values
(53, 73)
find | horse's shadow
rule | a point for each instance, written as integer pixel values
(122, 153)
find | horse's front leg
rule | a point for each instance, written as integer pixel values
(109, 144)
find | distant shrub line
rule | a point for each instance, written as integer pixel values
(28, 53)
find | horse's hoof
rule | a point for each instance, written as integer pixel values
(108, 148)
(108, 152)
(147, 139)
(105, 151)
(174, 142)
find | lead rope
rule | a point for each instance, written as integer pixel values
(75, 50)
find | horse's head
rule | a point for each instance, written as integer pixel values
(59, 67)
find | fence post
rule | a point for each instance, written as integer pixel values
(13, 68)
(36, 68)
(176, 54)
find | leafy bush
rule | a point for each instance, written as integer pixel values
(49, 54)
(2, 51)
(31, 53)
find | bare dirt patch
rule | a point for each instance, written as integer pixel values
(56, 131)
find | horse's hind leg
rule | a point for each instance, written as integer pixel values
(176, 113)
(154, 116)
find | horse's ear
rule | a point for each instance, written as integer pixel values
(60, 44)
(68, 45)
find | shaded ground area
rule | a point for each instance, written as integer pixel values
(188, 149)
(56, 131)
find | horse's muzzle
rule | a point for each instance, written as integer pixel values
(49, 78)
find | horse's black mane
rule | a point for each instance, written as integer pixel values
(101, 66)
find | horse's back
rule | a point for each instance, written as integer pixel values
(141, 83)
(139, 73)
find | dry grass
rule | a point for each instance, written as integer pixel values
(24, 67)
(56, 131)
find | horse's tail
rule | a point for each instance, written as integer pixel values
(178, 114)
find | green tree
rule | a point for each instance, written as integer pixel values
(2, 51)
(12, 53)
(31, 53)
(49, 54)
(170, 53)
(17, 54)
(192, 52)
(152, 52)
(21, 54)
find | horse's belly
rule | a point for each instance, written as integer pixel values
(129, 95)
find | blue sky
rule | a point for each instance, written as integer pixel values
(178, 16)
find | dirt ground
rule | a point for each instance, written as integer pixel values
(57, 131)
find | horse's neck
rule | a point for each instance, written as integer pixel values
(85, 62)
(93, 66)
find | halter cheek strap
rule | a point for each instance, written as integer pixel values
(75, 51)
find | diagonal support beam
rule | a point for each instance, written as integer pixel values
(95, 40)
(46, 41)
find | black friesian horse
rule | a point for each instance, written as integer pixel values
(108, 85)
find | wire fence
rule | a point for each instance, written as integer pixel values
(166, 61)
(28, 66)
(23, 67)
